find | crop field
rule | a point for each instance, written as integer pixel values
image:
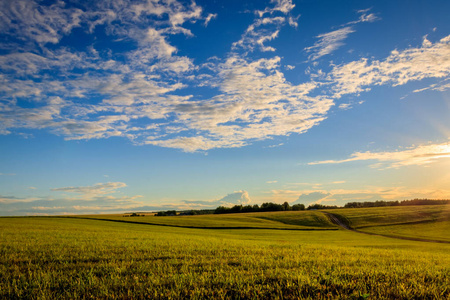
(117, 257)
(422, 222)
(270, 220)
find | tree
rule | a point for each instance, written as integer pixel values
(298, 207)
(286, 206)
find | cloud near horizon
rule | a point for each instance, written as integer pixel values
(96, 189)
(339, 197)
(415, 155)
(235, 198)
(100, 198)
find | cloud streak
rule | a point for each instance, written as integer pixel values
(331, 41)
(328, 42)
(96, 189)
(416, 155)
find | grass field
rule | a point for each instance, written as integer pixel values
(51, 258)
(426, 221)
(268, 220)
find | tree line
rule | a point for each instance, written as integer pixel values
(270, 206)
(382, 203)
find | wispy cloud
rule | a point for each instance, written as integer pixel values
(331, 41)
(328, 42)
(14, 200)
(41, 24)
(96, 189)
(266, 27)
(209, 18)
(97, 198)
(416, 155)
(7, 174)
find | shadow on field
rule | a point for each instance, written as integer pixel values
(201, 227)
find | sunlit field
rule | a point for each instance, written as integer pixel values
(50, 258)
(423, 221)
(268, 220)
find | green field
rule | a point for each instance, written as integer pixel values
(301, 220)
(88, 258)
(422, 222)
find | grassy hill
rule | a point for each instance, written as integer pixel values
(102, 257)
(422, 221)
(301, 220)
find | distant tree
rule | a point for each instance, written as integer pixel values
(298, 207)
(381, 203)
(269, 206)
(320, 206)
(247, 208)
(222, 210)
(166, 213)
(286, 206)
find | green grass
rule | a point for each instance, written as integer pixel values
(376, 216)
(422, 222)
(50, 258)
(302, 220)
(439, 231)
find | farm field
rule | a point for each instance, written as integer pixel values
(269, 220)
(423, 222)
(48, 258)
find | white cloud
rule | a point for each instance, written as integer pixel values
(15, 200)
(209, 18)
(398, 68)
(239, 197)
(96, 189)
(328, 42)
(339, 182)
(41, 24)
(365, 17)
(340, 197)
(345, 106)
(145, 93)
(311, 197)
(256, 103)
(441, 86)
(283, 6)
(97, 198)
(260, 32)
(235, 198)
(266, 28)
(416, 155)
(331, 41)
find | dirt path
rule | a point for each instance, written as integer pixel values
(335, 220)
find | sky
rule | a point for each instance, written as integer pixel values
(118, 106)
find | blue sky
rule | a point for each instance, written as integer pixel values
(115, 106)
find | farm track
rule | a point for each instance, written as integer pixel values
(335, 218)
